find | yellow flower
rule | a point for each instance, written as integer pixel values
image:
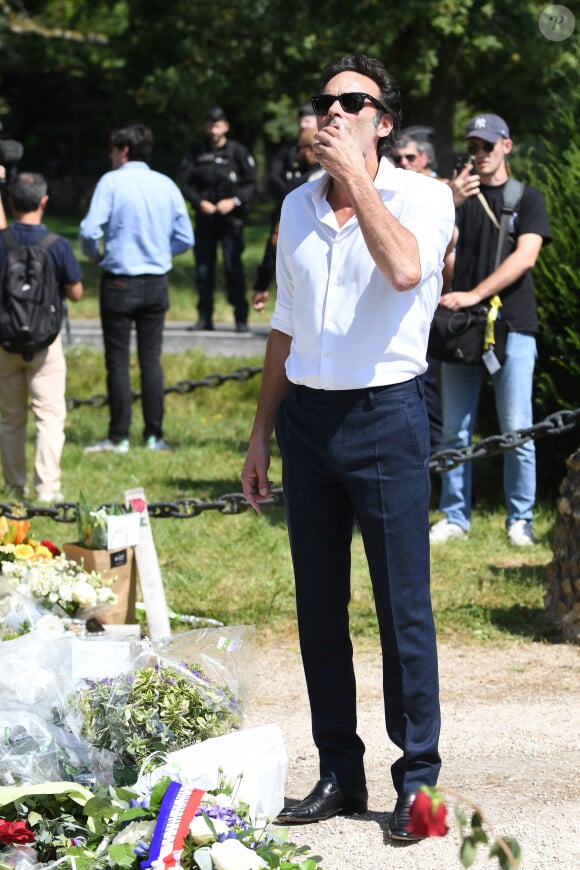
(41, 553)
(23, 552)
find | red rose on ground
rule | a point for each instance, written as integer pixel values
(50, 546)
(427, 816)
(15, 833)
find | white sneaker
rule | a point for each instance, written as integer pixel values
(49, 497)
(444, 531)
(520, 534)
(108, 446)
(157, 444)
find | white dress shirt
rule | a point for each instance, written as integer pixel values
(350, 328)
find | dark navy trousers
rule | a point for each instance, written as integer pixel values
(362, 456)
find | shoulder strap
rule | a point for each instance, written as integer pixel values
(8, 239)
(512, 193)
(47, 240)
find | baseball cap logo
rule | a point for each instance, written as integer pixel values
(480, 124)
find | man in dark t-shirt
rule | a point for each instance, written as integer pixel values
(474, 280)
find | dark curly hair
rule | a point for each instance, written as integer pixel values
(373, 69)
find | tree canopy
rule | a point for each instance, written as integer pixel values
(72, 69)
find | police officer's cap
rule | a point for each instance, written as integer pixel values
(216, 113)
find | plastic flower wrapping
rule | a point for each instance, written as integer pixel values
(157, 706)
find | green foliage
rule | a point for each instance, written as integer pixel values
(557, 275)
(105, 62)
(155, 709)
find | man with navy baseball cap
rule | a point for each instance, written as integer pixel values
(475, 278)
(487, 127)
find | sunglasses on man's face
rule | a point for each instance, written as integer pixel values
(474, 147)
(410, 158)
(351, 103)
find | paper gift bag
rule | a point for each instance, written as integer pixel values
(111, 563)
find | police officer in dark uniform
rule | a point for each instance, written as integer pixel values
(218, 177)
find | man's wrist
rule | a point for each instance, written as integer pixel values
(237, 201)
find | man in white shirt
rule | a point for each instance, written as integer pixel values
(359, 261)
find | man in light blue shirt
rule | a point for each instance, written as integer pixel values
(143, 220)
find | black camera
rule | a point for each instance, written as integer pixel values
(11, 151)
(462, 161)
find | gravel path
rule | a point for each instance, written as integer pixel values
(510, 741)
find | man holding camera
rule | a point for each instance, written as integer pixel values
(475, 279)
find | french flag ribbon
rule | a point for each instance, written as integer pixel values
(176, 813)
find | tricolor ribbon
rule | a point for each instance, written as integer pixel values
(176, 813)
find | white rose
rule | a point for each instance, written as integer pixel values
(233, 855)
(201, 832)
(134, 832)
(65, 592)
(84, 594)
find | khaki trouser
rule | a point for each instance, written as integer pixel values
(42, 381)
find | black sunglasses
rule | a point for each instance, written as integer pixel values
(410, 158)
(474, 147)
(351, 103)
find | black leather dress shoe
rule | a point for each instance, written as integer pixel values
(400, 819)
(202, 325)
(324, 801)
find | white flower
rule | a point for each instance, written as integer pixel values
(233, 855)
(201, 832)
(134, 832)
(60, 583)
(84, 594)
(50, 625)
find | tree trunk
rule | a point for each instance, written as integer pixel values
(563, 597)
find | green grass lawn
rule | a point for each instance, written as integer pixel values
(237, 568)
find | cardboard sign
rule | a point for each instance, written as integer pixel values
(123, 530)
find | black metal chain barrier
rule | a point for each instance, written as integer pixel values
(234, 503)
(100, 400)
(182, 508)
(555, 424)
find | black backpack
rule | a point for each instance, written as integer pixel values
(31, 307)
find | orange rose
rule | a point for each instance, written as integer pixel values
(22, 527)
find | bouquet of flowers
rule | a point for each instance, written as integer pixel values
(56, 583)
(158, 707)
(93, 524)
(112, 828)
(16, 542)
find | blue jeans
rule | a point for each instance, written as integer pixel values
(141, 300)
(512, 385)
(363, 456)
